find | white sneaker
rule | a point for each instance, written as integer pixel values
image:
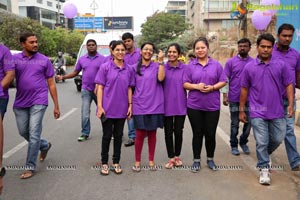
(264, 177)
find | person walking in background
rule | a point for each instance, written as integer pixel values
(175, 97)
(233, 70)
(203, 78)
(114, 94)
(89, 64)
(7, 74)
(132, 57)
(148, 103)
(34, 77)
(263, 83)
(291, 57)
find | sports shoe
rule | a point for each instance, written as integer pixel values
(264, 177)
(245, 148)
(129, 143)
(83, 138)
(196, 167)
(211, 165)
(235, 151)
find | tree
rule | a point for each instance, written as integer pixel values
(162, 27)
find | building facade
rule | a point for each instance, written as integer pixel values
(46, 12)
(177, 7)
(212, 15)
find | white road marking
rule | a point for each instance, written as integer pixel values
(14, 150)
(22, 144)
(248, 160)
(67, 114)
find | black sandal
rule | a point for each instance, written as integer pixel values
(116, 168)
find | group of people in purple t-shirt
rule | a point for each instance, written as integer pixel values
(153, 95)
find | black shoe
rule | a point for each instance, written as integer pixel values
(129, 143)
(297, 168)
(82, 138)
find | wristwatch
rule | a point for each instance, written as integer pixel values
(161, 63)
(2, 171)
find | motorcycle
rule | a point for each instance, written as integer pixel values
(59, 70)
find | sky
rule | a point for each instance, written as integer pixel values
(139, 9)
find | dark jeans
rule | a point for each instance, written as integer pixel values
(234, 127)
(3, 106)
(204, 124)
(112, 127)
(173, 125)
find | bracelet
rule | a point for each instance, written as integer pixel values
(161, 63)
(129, 103)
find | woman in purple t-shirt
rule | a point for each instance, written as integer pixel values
(148, 102)
(175, 105)
(114, 82)
(203, 78)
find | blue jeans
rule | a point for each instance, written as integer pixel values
(268, 135)
(29, 123)
(86, 97)
(290, 138)
(3, 106)
(234, 126)
(131, 129)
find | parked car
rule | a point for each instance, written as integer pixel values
(13, 83)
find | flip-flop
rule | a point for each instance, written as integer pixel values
(44, 153)
(116, 168)
(104, 170)
(27, 174)
(136, 168)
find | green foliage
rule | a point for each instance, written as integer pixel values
(161, 28)
(50, 41)
(70, 61)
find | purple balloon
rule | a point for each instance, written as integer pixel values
(70, 10)
(269, 3)
(261, 20)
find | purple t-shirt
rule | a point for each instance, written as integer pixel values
(116, 82)
(148, 97)
(6, 64)
(265, 83)
(209, 74)
(31, 79)
(291, 58)
(134, 57)
(233, 70)
(89, 66)
(108, 58)
(174, 93)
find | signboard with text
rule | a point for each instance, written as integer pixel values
(118, 23)
(86, 23)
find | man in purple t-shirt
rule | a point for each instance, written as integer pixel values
(291, 58)
(233, 70)
(34, 77)
(89, 64)
(263, 82)
(7, 74)
(132, 57)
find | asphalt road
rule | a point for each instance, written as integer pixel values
(71, 169)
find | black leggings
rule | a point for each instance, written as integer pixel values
(204, 124)
(173, 125)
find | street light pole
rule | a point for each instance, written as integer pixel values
(245, 19)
